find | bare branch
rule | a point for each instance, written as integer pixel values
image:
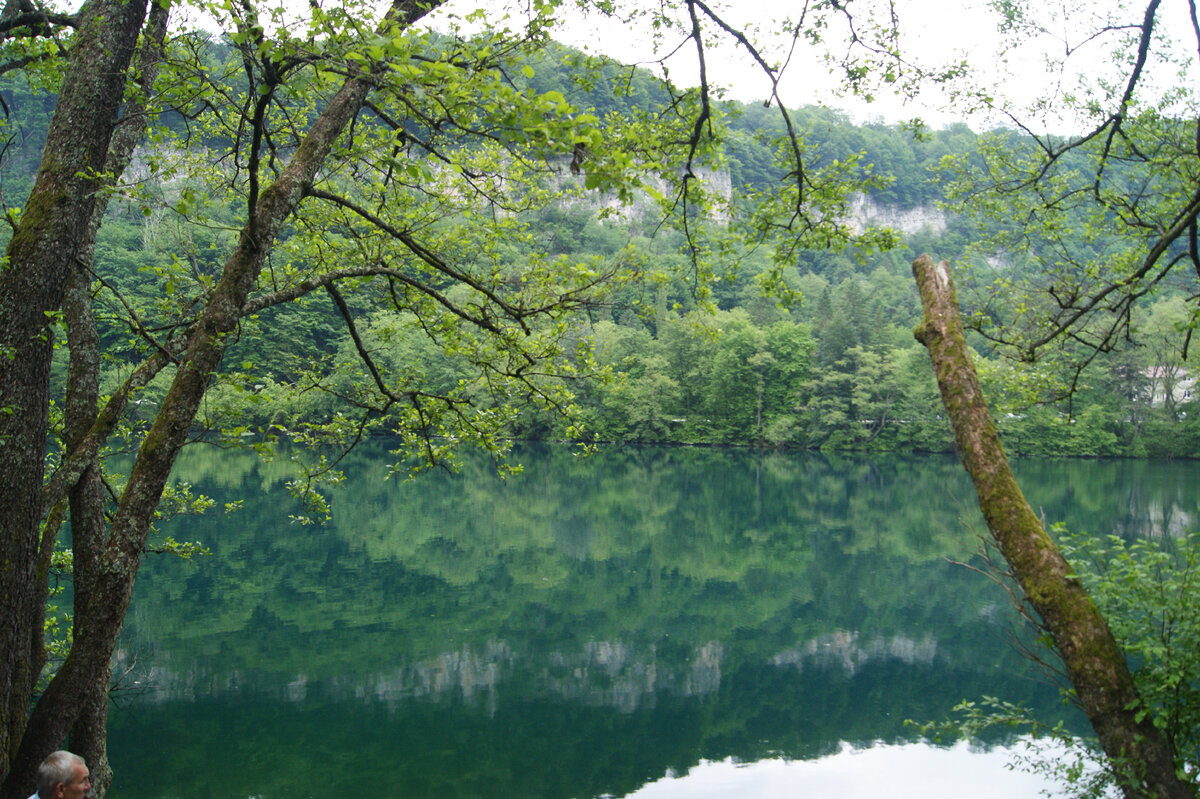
(431, 258)
(38, 22)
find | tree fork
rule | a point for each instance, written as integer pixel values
(83, 675)
(40, 254)
(1093, 661)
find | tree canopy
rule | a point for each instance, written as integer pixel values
(340, 153)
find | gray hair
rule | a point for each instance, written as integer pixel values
(57, 767)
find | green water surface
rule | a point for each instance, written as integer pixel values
(582, 628)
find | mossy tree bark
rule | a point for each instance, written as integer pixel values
(89, 527)
(1081, 636)
(69, 702)
(39, 258)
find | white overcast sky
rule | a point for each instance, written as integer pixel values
(933, 31)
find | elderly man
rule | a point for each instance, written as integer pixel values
(62, 775)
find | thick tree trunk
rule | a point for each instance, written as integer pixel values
(89, 529)
(86, 494)
(86, 669)
(1093, 661)
(40, 254)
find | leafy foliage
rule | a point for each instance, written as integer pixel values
(683, 377)
(1147, 589)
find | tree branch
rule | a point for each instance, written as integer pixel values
(432, 259)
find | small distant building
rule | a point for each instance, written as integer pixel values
(1169, 381)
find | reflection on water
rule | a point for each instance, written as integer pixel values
(580, 629)
(904, 771)
(845, 649)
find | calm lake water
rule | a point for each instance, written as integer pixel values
(646, 622)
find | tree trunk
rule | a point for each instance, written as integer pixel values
(40, 254)
(89, 529)
(88, 525)
(85, 672)
(1093, 661)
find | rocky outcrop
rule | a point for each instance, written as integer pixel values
(644, 206)
(866, 212)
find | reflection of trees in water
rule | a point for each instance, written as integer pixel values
(613, 616)
(1128, 498)
(633, 547)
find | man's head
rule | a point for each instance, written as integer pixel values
(62, 775)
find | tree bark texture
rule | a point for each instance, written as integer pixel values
(85, 671)
(89, 529)
(40, 254)
(1094, 663)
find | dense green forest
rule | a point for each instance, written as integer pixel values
(812, 349)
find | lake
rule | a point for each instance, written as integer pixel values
(645, 622)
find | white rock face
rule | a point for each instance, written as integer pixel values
(643, 207)
(866, 212)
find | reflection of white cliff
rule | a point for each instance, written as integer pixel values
(471, 675)
(603, 673)
(607, 673)
(1155, 518)
(160, 682)
(851, 651)
(1167, 520)
(613, 674)
(705, 675)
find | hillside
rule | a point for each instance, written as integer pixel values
(685, 353)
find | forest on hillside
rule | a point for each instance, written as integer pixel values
(811, 348)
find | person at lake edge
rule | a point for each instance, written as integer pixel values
(62, 775)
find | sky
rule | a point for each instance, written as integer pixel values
(807, 77)
(933, 33)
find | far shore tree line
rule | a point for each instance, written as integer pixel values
(835, 367)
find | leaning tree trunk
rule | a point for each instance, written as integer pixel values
(1094, 663)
